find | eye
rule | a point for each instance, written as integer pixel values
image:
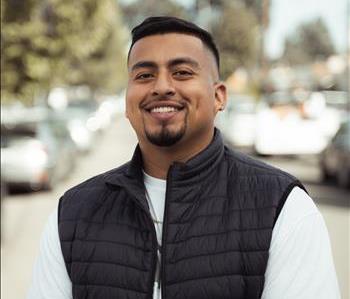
(182, 74)
(143, 76)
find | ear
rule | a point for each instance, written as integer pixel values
(220, 96)
(126, 108)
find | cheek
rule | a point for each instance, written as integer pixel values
(205, 99)
(132, 101)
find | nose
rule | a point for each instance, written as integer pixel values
(163, 86)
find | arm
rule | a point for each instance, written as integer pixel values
(50, 278)
(300, 263)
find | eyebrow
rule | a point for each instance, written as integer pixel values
(183, 60)
(143, 64)
(171, 63)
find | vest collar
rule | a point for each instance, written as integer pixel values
(193, 173)
(198, 167)
(201, 165)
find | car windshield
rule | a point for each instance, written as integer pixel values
(241, 104)
(280, 98)
(14, 136)
(343, 135)
(86, 105)
(57, 127)
(244, 107)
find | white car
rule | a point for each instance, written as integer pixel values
(36, 154)
(238, 122)
(285, 128)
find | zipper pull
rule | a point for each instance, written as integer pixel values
(159, 266)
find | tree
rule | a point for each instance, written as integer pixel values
(236, 35)
(59, 42)
(311, 41)
(137, 11)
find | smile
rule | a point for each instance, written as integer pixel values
(166, 109)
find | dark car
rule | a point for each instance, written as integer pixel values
(36, 153)
(335, 159)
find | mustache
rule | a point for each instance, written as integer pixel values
(162, 98)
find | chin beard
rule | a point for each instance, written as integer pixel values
(165, 137)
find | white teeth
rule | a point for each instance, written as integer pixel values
(163, 109)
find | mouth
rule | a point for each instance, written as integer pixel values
(164, 111)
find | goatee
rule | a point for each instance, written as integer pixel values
(165, 137)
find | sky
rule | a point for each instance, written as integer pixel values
(286, 15)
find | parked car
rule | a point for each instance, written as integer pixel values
(335, 159)
(284, 129)
(238, 122)
(83, 122)
(85, 109)
(36, 152)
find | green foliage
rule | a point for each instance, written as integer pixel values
(60, 42)
(235, 32)
(257, 7)
(311, 41)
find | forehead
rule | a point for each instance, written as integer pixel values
(161, 48)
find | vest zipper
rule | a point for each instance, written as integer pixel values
(155, 242)
(154, 253)
(163, 249)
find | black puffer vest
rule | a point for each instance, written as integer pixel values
(220, 210)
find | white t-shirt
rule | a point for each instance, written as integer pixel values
(300, 261)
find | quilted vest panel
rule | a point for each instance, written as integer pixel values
(220, 211)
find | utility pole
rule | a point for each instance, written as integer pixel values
(347, 53)
(264, 24)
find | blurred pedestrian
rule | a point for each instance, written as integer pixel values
(186, 217)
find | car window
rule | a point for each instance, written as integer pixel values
(342, 137)
(85, 105)
(16, 136)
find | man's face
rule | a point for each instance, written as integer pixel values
(173, 91)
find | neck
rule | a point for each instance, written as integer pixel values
(157, 160)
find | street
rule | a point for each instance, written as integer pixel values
(24, 215)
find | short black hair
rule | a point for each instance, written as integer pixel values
(164, 24)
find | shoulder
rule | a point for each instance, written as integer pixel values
(90, 191)
(271, 185)
(245, 165)
(298, 206)
(299, 242)
(96, 183)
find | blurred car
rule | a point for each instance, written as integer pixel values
(283, 129)
(238, 122)
(36, 153)
(84, 122)
(335, 159)
(110, 108)
(87, 110)
(80, 134)
(4, 193)
(3, 188)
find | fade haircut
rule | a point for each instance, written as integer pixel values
(162, 25)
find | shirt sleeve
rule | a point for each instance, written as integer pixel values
(300, 261)
(50, 278)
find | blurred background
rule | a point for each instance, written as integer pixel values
(63, 76)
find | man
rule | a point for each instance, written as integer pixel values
(186, 217)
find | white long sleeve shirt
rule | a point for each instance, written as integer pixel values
(300, 261)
